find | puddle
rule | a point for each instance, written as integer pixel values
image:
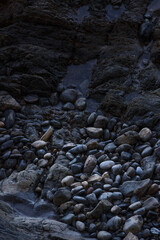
(82, 13)
(79, 76)
(154, 6)
(114, 13)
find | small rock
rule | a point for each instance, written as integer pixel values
(67, 181)
(94, 132)
(68, 219)
(101, 122)
(68, 106)
(8, 102)
(133, 224)
(94, 178)
(47, 156)
(145, 134)
(153, 189)
(31, 98)
(106, 165)
(155, 231)
(90, 164)
(116, 209)
(102, 207)
(103, 235)
(110, 147)
(80, 104)
(80, 226)
(130, 188)
(135, 205)
(92, 118)
(68, 95)
(151, 203)
(6, 145)
(39, 144)
(1, 124)
(130, 236)
(130, 137)
(9, 118)
(114, 223)
(47, 134)
(78, 208)
(62, 195)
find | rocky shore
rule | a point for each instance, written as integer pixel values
(79, 120)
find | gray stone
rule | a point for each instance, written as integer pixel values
(103, 235)
(106, 165)
(68, 95)
(90, 164)
(8, 102)
(130, 188)
(9, 118)
(114, 223)
(151, 203)
(80, 104)
(6, 145)
(130, 137)
(130, 236)
(92, 118)
(62, 195)
(57, 172)
(39, 144)
(92, 199)
(80, 226)
(80, 148)
(68, 106)
(101, 122)
(94, 132)
(147, 151)
(135, 205)
(110, 147)
(68, 219)
(67, 181)
(145, 134)
(117, 169)
(102, 207)
(155, 231)
(148, 166)
(133, 224)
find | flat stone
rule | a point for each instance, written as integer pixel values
(110, 147)
(114, 223)
(94, 132)
(133, 224)
(145, 134)
(8, 102)
(80, 226)
(6, 145)
(135, 205)
(130, 188)
(62, 195)
(102, 207)
(103, 235)
(94, 178)
(80, 104)
(57, 172)
(130, 137)
(9, 118)
(67, 181)
(39, 144)
(148, 166)
(101, 122)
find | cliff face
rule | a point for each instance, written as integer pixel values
(39, 39)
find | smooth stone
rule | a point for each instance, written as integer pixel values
(2, 173)
(80, 148)
(125, 156)
(68, 219)
(68, 106)
(153, 189)
(130, 188)
(92, 199)
(92, 144)
(80, 199)
(102, 207)
(67, 181)
(8, 102)
(80, 226)
(114, 223)
(1, 124)
(110, 147)
(54, 98)
(151, 203)
(57, 172)
(116, 209)
(39, 144)
(133, 224)
(123, 148)
(68, 146)
(40, 153)
(69, 156)
(31, 98)
(78, 208)
(130, 137)
(47, 134)
(80, 104)
(68, 95)
(145, 134)
(9, 115)
(6, 145)
(140, 211)
(105, 196)
(90, 164)
(148, 166)
(22, 165)
(101, 122)
(117, 169)
(94, 132)
(103, 235)
(47, 156)
(29, 155)
(92, 228)
(106, 165)
(130, 236)
(42, 163)
(146, 152)
(135, 205)
(94, 178)
(92, 117)
(56, 124)
(62, 195)
(76, 168)
(155, 231)
(139, 171)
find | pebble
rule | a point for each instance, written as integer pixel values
(145, 134)
(94, 132)
(80, 104)
(103, 235)
(80, 226)
(92, 117)
(106, 165)
(39, 144)
(6, 145)
(100, 122)
(130, 236)
(110, 147)
(114, 223)
(133, 224)
(90, 164)
(135, 205)
(68, 95)
(9, 118)
(67, 181)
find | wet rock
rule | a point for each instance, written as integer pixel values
(100, 122)
(103, 235)
(151, 203)
(9, 118)
(145, 134)
(39, 144)
(8, 102)
(130, 188)
(80, 104)
(61, 196)
(29, 155)
(133, 224)
(131, 236)
(94, 178)
(90, 164)
(146, 152)
(153, 189)
(155, 231)
(68, 95)
(92, 199)
(130, 137)
(94, 132)
(135, 205)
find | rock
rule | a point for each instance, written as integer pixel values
(133, 224)
(68, 219)
(68, 95)
(67, 181)
(130, 236)
(8, 102)
(92, 118)
(102, 207)
(6, 145)
(29, 155)
(116, 209)
(10, 163)
(114, 223)
(135, 205)
(62, 195)
(130, 188)
(145, 134)
(101, 122)
(94, 132)
(9, 115)
(31, 133)
(103, 235)
(92, 144)
(130, 137)
(80, 226)
(110, 147)
(54, 98)
(148, 166)
(80, 148)
(106, 165)
(42, 163)
(47, 134)
(90, 164)
(2, 174)
(68, 146)
(155, 231)
(117, 169)
(31, 98)
(47, 156)
(80, 104)
(39, 144)
(68, 106)
(151, 203)
(57, 172)
(146, 152)
(92, 199)
(94, 178)
(153, 189)
(40, 153)
(25, 180)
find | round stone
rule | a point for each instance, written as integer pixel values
(31, 98)
(68, 95)
(80, 104)
(103, 235)
(106, 165)
(67, 181)
(80, 226)
(145, 134)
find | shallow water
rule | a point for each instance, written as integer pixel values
(114, 13)
(79, 76)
